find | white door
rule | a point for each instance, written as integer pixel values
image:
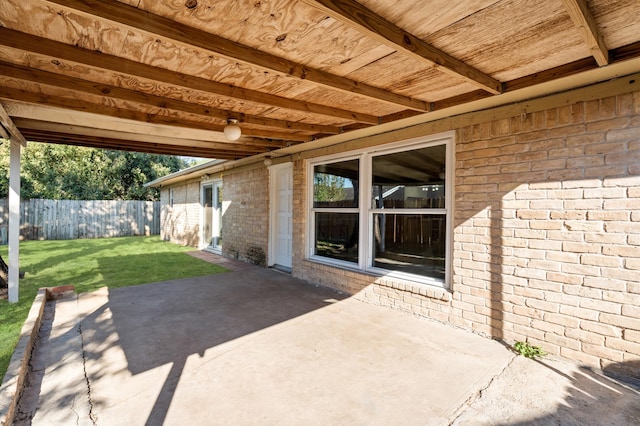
(212, 215)
(281, 215)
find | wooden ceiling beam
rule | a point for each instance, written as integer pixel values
(108, 91)
(67, 117)
(357, 16)
(90, 132)
(107, 143)
(620, 54)
(84, 106)
(159, 26)
(42, 46)
(584, 20)
(7, 124)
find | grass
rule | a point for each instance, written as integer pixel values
(89, 265)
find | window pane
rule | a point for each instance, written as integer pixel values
(413, 244)
(337, 235)
(410, 179)
(335, 185)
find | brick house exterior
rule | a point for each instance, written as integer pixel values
(180, 213)
(245, 233)
(545, 239)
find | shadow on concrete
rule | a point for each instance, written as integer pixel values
(554, 392)
(190, 317)
(591, 398)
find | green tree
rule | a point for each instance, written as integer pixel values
(79, 173)
(328, 187)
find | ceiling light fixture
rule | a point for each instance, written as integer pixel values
(232, 131)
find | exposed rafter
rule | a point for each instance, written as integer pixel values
(33, 126)
(169, 29)
(62, 81)
(65, 52)
(176, 71)
(7, 123)
(84, 106)
(122, 145)
(364, 20)
(583, 19)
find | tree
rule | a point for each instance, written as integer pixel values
(328, 187)
(78, 173)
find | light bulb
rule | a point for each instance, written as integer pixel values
(232, 131)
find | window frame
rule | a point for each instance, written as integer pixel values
(366, 212)
(313, 210)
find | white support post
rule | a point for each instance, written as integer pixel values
(14, 220)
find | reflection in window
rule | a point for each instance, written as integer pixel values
(335, 185)
(337, 235)
(406, 216)
(409, 179)
(412, 244)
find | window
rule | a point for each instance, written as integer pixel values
(385, 212)
(335, 204)
(170, 197)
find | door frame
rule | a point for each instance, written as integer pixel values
(273, 207)
(205, 242)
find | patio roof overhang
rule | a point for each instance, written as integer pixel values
(165, 77)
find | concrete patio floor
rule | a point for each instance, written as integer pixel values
(255, 346)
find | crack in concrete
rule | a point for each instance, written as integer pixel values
(479, 393)
(92, 415)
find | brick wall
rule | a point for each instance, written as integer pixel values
(547, 227)
(181, 223)
(245, 222)
(546, 235)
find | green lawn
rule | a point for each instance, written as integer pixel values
(89, 265)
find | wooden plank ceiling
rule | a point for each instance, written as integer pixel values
(165, 76)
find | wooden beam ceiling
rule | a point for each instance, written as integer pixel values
(288, 72)
(123, 145)
(94, 59)
(583, 19)
(169, 29)
(357, 16)
(85, 131)
(127, 95)
(281, 138)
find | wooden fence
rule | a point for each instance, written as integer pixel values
(69, 219)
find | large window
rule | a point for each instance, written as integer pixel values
(335, 204)
(385, 212)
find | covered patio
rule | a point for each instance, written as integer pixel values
(257, 346)
(524, 116)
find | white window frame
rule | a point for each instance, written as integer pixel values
(312, 217)
(365, 211)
